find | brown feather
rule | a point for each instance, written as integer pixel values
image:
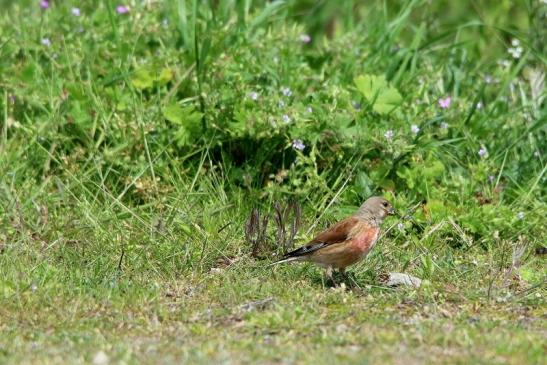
(336, 233)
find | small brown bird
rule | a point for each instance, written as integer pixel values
(347, 241)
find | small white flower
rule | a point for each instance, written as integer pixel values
(253, 95)
(515, 42)
(33, 287)
(305, 38)
(414, 128)
(504, 63)
(482, 152)
(286, 118)
(286, 91)
(46, 42)
(309, 109)
(401, 226)
(516, 51)
(389, 134)
(444, 125)
(297, 144)
(479, 105)
(75, 11)
(488, 79)
(520, 215)
(281, 104)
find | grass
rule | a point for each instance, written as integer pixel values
(132, 152)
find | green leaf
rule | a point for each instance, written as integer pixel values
(165, 76)
(142, 79)
(531, 275)
(364, 184)
(376, 90)
(188, 120)
(145, 77)
(174, 113)
(433, 169)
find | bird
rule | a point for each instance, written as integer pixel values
(346, 242)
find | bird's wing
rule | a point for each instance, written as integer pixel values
(335, 234)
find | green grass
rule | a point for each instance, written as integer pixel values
(132, 153)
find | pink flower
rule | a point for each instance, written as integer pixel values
(445, 102)
(44, 4)
(122, 9)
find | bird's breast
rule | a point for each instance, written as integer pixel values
(365, 238)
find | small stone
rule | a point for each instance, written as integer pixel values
(396, 279)
(100, 358)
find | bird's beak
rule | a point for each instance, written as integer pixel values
(391, 211)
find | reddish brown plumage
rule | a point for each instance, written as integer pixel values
(347, 241)
(359, 238)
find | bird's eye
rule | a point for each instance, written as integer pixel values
(384, 204)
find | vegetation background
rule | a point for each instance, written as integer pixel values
(136, 138)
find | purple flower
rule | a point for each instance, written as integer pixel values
(309, 109)
(286, 118)
(414, 128)
(305, 38)
(75, 11)
(44, 4)
(482, 152)
(253, 95)
(491, 178)
(445, 102)
(297, 144)
(286, 91)
(122, 9)
(46, 42)
(389, 134)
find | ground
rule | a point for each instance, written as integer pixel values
(157, 157)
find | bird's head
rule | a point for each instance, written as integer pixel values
(375, 208)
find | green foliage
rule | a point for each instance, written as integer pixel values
(383, 98)
(132, 147)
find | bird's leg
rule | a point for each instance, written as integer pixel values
(328, 274)
(349, 278)
(345, 275)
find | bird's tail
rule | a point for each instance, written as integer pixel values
(283, 260)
